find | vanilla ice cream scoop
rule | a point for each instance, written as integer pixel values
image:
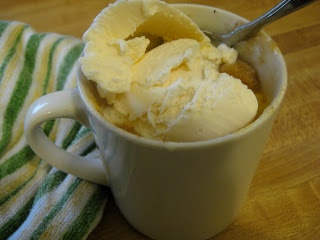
(163, 84)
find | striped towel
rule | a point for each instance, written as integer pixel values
(38, 201)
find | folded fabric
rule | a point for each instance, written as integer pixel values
(38, 201)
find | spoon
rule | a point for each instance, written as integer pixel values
(247, 30)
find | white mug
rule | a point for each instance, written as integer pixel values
(169, 190)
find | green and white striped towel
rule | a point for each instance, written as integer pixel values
(38, 201)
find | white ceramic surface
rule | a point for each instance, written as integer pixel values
(169, 190)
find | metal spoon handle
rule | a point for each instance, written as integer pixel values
(284, 8)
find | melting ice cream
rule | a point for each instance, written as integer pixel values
(160, 76)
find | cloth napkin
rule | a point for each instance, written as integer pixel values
(38, 201)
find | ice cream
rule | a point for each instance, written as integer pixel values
(160, 76)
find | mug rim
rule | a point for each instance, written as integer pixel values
(265, 116)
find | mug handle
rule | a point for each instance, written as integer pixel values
(61, 104)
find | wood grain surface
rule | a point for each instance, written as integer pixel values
(284, 198)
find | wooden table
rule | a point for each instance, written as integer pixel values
(284, 198)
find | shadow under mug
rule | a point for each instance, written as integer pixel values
(169, 190)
